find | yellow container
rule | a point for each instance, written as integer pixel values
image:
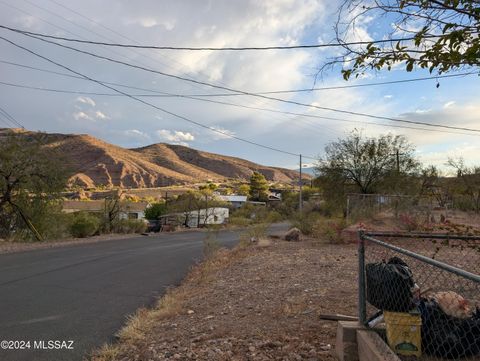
(404, 332)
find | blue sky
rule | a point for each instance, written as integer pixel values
(220, 23)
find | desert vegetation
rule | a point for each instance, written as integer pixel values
(355, 177)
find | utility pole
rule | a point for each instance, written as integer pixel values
(398, 161)
(300, 200)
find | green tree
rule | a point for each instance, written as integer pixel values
(441, 35)
(365, 164)
(155, 210)
(469, 184)
(31, 178)
(258, 187)
(211, 186)
(196, 201)
(84, 225)
(243, 190)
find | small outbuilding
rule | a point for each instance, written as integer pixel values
(235, 200)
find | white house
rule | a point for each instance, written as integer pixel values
(208, 216)
(128, 210)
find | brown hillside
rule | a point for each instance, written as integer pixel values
(93, 162)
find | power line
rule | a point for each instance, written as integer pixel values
(134, 51)
(254, 94)
(154, 47)
(164, 94)
(150, 104)
(288, 91)
(76, 35)
(10, 118)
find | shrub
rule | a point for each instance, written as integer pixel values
(258, 231)
(84, 225)
(130, 226)
(273, 217)
(251, 214)
(239, 221)
(305, 222)
(155, 210)
(410, 222)
(329, 229)
(210, 244)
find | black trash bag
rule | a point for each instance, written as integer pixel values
(389, 285)
(446, 336)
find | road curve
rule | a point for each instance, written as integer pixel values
(83, 293)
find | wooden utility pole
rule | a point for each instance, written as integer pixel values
(398, 160)
(300, 200)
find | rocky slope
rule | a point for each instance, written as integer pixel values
(93, 162)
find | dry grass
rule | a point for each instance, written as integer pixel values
(259, 301)
(107, 353)
(141, 324)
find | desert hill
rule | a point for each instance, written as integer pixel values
(93, 162)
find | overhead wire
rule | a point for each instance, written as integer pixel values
(134, 51)
(165, 94)
(253, 94)
(191, 48)
(152, 105)
(70, 32)
(10, 118)
(287, 91)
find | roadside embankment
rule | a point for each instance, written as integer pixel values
(255, 302)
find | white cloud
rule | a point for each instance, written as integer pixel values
(423, 111)
(137, 134)
(100, 115)
(150, 22)
(27, 21)
(469, 152)
(434, 147)
(448, 104)
(82, 115)
(225, 133)
(86, 100)
(388, 96)
(176, 136)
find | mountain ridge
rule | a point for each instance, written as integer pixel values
(93, 162)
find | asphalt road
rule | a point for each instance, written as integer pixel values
(84, 293)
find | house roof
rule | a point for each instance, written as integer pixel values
(99, 205)
(234, 198)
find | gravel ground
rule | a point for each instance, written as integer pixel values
(256, 303)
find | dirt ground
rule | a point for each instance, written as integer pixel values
(260, 302)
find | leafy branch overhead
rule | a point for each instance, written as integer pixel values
(438, 35)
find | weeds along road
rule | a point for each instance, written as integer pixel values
(84, 293)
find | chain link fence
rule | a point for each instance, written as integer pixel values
(361, 206)
(425, 290)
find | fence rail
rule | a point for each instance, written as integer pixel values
(443, 277)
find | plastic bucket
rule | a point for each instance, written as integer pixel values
(404, 332)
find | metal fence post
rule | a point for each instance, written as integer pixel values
(362, 299)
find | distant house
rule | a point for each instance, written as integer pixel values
(274, 197)
(128, 210)
(234, 200)
(201, 217)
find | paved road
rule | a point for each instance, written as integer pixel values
(84, 292)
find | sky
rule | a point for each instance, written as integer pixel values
(129, 123)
